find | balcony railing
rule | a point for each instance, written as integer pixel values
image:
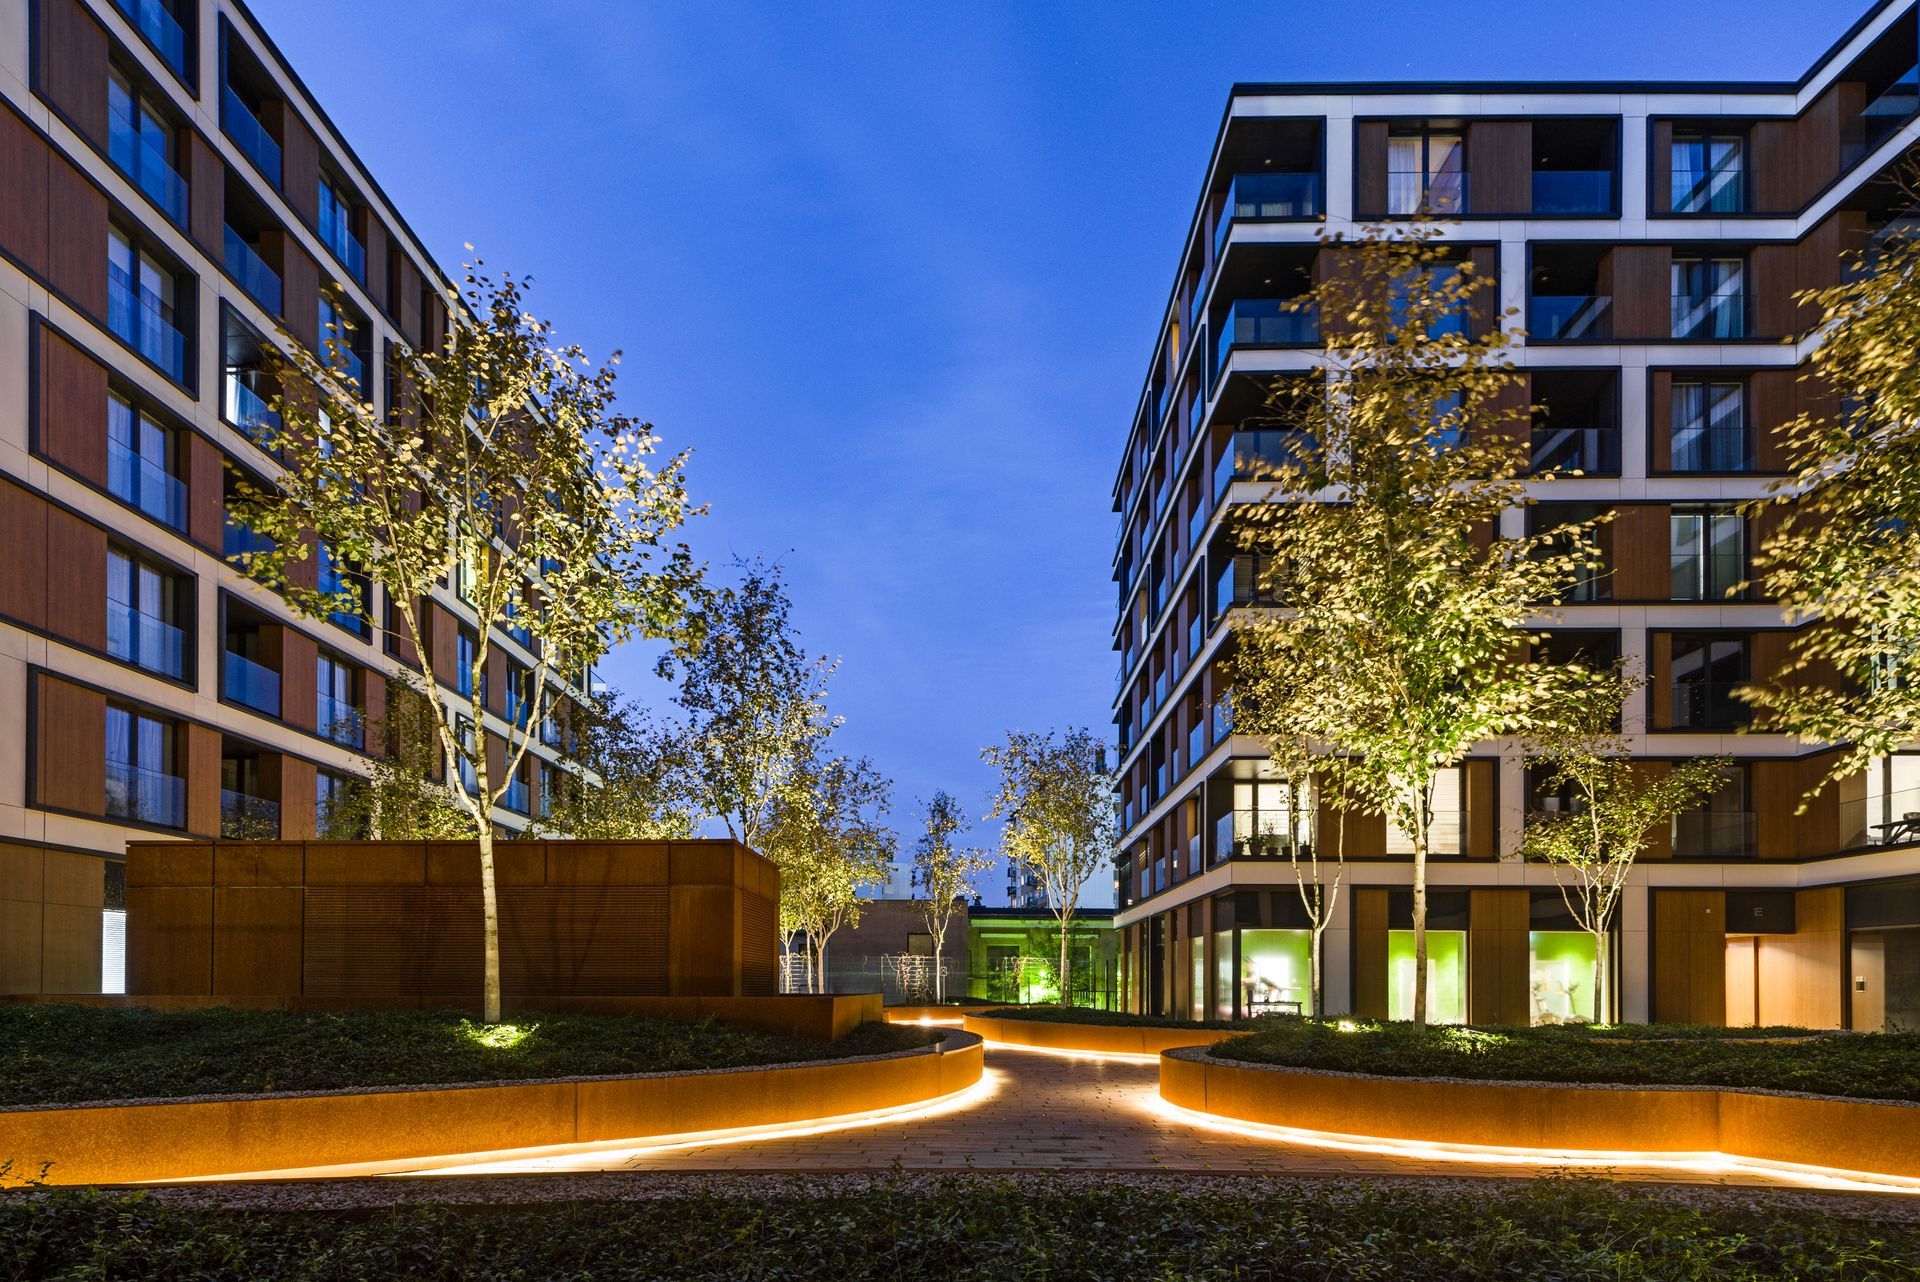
(1711, 317)
(251, 270)
(145, 796)
(1700, 447)
(244, 817)
(137, 158)
(340, 721)
(517, 796)
(1719, 189)
(248, 411)
(237, 540)
(348, 364)
(1573, 191)
(1266, 196)
(252, 684)
(1713, 834)
(1592, 450)
(1567, 318)
(1707, 576)
(145, 641)
(1260, 451)
(146, 485)
(1709, 705)
(159, 26)
(140, 323)
(1261, 322)
(239, 123)
(1889, 819)
(1880, 119)
(1418, 192)
(348, 249)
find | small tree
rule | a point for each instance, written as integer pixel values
(626, 778)
(1592, 844)
(1379, 538)
(1056, 795)
(406, 795)
(504, 463)
(1844, 554)
(827, 831)
(755, 702)
(943, 872)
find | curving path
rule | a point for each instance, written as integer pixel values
(1041, 1110)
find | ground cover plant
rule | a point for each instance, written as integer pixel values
(977, 1227)
(1858, 1065)
(57, 1054)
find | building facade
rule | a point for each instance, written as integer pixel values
(1648, 239)
(172, 202)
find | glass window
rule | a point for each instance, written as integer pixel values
(464, 649)
(1269, 818)
(1709, 427)
(141, 463)
(1426, 173)
(140, 304)
(1446, 976)
(1893, 800)
(1709, 174)
(331, 815)
(1709, 552)
(142, 605)
(1276, 972)
(1709, 298)
(1560, 972)
(1445, 832)
(141, 784)
(1719, 828)
(1707, 669)
(1197, 972)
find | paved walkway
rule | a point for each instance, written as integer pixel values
(1045, 1111)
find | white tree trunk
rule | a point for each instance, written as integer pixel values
(1420, 920)
(490, 903)
(1318, 1007)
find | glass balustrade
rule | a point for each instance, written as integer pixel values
(161, 27)
(134, 317)
(1573, 191)
(252, 684)
(1565, 318)
(244, 265)
(146, 485)
(244, 817)
(145, 641)
(239, 123)
(145, 796)
(140, 161)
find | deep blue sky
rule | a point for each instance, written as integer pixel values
(892, 270)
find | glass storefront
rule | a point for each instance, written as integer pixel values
(1197, 1002)
(1276, 972)
(1446, 976)
(1223, 974)
(1560, 976)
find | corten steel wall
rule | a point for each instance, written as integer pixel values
(368, 923)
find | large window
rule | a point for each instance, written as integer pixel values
(1446, 975)
(1709, 297)
(1269, 819)
(336, 228)
(333, 815)
(140, 144)
(1707, 670)
(1709, 173)
(1709, 544)
(1426, 173)
(1892, 805)
(1560, 976)
(141, 294)
(1709, 426)
(1276, 972)
(143, 463)
(144, 610)
(1446, 834)
(143, 783)
(1720, 827)
(336, 714)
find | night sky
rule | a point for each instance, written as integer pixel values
(892, 270)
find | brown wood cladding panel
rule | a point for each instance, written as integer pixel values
(1773, 399)
(70, 747)
(1660, 168)
(1482, 813)
(1660, 680)
(1776, 795)
(206, 504)
(373, 238)
(405, 298)
(1659, 420)
(1641, 285)
(1802, 975)
(203, 780)
(1689, 957)
(373, 696)
(759, 946)
(496, 680)
(1370, 169)
(24, 159)
(299, 661)
(1485, 301)
(77, 238)
(77, 563)
(171, 948)
(299, 160)
(1370, 952)
(23, 569)
(1498, 957)
(256, 940)
(206, 194)
(72, 431)
(1639, 554)
(296, 798)
(1500, 158)
(443, 635)
(72, 66)
(299, 291)
(1770, 287)
(1658, 843)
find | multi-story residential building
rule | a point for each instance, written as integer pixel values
(1649, 239)
(172, 201)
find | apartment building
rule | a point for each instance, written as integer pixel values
(172, 202)
(1649, 239)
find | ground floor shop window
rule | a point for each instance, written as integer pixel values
(1446, 976)
(1223, 974)
(1276, 972)
(1560, 971)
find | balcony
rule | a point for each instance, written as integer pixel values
(1708, 576)
(237, 540)
(1711, 317)
(1246, 834)
(145, 641)
(1260, 452)
(348, 249)
(1590, 450)
(1254, 322)
(145, 796)
(1265, 196)
(239, 123)
(339, 721)
(1420, 193)
(244, 817)
(159, 27)
(1886, 819)
(148, 169)
(1709, 705)
(1570, 318)
(146, 485)
(1573, 191)
(1880, 119)
(1709, 447)
(260, 281)
(518, 797)
(347, 363)
(139, 322)
(1713, 834)
(248, 411)
(249, 684)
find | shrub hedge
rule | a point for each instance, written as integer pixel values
(62, 1054)
(968, 1228)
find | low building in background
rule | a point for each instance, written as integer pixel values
(1000, 955)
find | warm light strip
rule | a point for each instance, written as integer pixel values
(1703, 1164)
(1120, 1057)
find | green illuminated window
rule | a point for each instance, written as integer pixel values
(1446, 976)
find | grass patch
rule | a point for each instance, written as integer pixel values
(1105, 1018)
(976, 1228)
(61, 1054)
(1855, 1065)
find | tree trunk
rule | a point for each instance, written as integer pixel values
(939, 983)
(1599, 976)
(1420, 920)
(1318, 1006)
(1066, 986)
(490, 1012)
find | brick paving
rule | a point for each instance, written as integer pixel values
(1053, 1112)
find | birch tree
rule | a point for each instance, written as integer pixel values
(1592, 844)
(943, 871)
(623, 777)
(406, 795)
(1056, 796)
(827, 831)
(1380, 537)
(505, 466)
